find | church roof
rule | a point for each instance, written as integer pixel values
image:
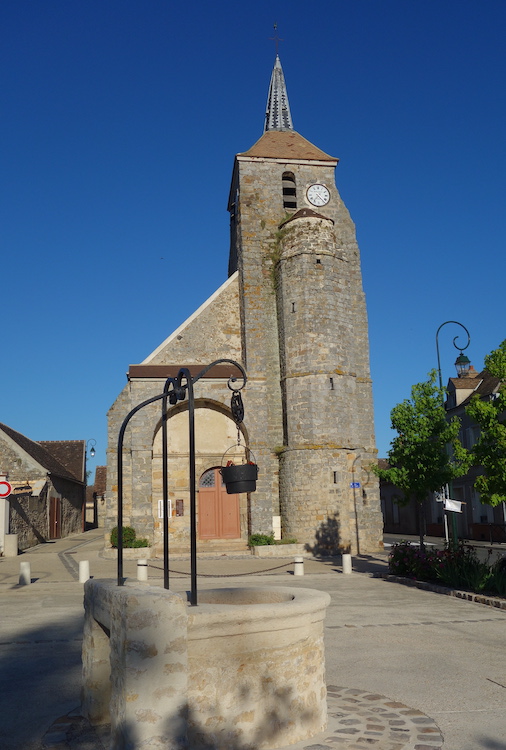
(277, 115)
(286, 144)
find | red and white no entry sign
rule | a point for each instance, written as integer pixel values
(5, 489)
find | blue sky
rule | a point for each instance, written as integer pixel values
(119, 125)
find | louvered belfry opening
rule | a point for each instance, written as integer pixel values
(289, 191)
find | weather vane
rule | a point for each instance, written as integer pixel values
(276, 38)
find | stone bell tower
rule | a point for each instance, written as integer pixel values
(304, 340)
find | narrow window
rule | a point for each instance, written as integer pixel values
(289, 191)
(335, 477)
(331, 384)
(293, 306)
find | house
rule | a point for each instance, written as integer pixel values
(95, 499)
(48, 487)
(477, 520)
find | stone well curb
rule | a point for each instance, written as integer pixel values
(469, 596)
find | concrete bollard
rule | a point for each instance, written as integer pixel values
(142, 570)
(298, 566)
(25, 576)
(347, 564)
(84, 570)
(11, 545)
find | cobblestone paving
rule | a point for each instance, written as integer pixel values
(359, 719)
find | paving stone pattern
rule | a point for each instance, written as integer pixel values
(358, 719)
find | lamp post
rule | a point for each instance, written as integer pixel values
(462, 364)
(92, 443)
(354, 486)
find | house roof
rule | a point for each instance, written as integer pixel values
(41, 453)
(483, 383)
(100, 480)
(286, 144)
(70, 453)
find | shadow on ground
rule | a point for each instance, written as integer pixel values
(40, 677)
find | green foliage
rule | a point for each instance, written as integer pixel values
(259, 540)
(142, 542)
(489, 452)
(457, 567)
(419, 456)
(129, 538)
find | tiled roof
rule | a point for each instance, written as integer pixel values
(40, 453)
(100, 480)
(286, 144)
(303, 213)
(70, 453)
(383, 463)
(483, 384)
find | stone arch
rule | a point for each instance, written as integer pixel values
(215, 432)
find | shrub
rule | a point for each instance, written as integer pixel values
(129, 538)
(258, 540)
(457, 567)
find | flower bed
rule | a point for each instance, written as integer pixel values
(457, 567)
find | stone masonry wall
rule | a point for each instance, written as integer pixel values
(327, 392)
(304, 323)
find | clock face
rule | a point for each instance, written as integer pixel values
(318, 195)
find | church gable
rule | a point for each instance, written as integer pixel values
(212, 332)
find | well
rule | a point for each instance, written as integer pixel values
(244, 668)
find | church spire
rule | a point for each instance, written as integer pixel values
(277, 116)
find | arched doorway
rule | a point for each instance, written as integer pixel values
(218, 513)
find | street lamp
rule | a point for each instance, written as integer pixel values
(92, 443)
(462, 364)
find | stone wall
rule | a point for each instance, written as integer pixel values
(29, 515)
(307, 353)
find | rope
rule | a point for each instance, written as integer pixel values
(223, 575)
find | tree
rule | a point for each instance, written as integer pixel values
(427, 453)
(489, 451)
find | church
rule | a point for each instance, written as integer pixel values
(292, 312)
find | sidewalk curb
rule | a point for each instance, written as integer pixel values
(469, 596)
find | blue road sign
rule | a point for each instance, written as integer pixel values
(354, 485)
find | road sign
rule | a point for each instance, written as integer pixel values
(5, 489)
(354, 485)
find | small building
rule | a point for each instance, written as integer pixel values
(48, 487)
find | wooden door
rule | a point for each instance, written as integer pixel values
(54, 518)
(218, 512)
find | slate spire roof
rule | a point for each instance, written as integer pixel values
(277, 115)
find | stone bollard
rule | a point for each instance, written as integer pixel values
(142, 570)
(84, 570)
(347, 564)
(25, 576)
(11, 545)
(298, 566)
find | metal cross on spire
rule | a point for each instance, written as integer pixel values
(277, 115)
(276, 38)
